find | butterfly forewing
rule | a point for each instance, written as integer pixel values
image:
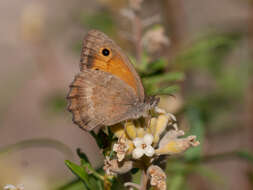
(116, 63)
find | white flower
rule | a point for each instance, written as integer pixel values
(121, 148)
(12, 187)
(143, 146)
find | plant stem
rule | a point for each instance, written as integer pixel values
(144, 180)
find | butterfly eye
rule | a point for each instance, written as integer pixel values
(105, 52)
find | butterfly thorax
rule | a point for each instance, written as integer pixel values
(142, 109)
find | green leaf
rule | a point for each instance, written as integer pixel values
(166, 91)
(91, 170)
(147, 68)
(81, 173)
(168, 77)
(78, 171)
(157, 65)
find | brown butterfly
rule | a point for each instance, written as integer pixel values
(108, 90)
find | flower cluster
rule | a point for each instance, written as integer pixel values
(146, 142)
(152, 140)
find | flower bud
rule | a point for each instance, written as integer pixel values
(172, 145)
(113, 167)
(161, 125)
(157, 177)
(118, 130)
(130, 130)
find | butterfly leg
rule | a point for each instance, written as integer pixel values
(160, 110)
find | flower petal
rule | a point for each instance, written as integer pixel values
(161, 125)
(138, 153)
(169, 136)
(118, 130)
(131, 147)
(148, 139)
(121, 148)
(115, 147)
(149, 151)
(130, 130)
(140, 132)
(120, 156)
(152, 125)
(176, 146)
(138, 142)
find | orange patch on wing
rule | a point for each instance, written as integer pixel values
(116, 67)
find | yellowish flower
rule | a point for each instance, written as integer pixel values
(130, 130)
(171, 144)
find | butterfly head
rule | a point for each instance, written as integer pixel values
(151, 102)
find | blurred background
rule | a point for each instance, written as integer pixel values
(199, 49)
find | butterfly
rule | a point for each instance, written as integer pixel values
(108, 89)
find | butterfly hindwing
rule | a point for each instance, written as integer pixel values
(97, 98)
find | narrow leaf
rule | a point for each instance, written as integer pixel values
(166, 91)
(80, 173)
